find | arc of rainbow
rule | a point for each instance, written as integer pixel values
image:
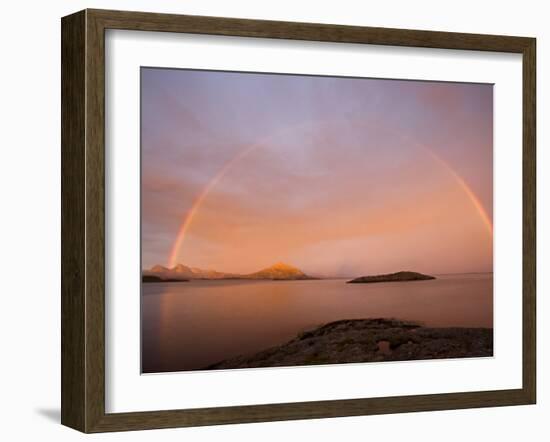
(478, 205)
(197, 202)
(190, 215)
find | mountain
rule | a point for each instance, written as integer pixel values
(392, 277)
(196, 273)
(279, 271)
(183, 272)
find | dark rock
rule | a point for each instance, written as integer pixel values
(369, 340)
(392, 277)
(152, 278)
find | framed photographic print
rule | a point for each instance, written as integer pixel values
(270, 220)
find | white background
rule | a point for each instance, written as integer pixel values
(128, 391)
(29, 237)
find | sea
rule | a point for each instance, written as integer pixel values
(190, 325)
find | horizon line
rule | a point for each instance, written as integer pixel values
(317, 275)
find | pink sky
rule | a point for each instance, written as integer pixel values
(339, 177)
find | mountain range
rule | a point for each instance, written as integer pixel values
(278, 271)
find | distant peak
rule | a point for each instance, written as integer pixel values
(179, 266)
(159, 268)
(282, 266)
(279, 270)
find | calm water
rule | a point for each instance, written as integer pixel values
(190, 325)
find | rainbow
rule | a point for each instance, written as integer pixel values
(198, 201)
(467, 190)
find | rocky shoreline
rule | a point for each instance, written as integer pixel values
(152, 278)
(369, 340)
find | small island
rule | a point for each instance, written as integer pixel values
(392, 277)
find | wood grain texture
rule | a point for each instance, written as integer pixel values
(145, 21)
(83, 220)
(529, 220)
(95, 222)
(73, 128)
(308, 410)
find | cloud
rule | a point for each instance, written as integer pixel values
(314, 171)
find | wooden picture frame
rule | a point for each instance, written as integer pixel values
(83, 220)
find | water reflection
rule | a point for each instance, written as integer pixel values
(190, 325)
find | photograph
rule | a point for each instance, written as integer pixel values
(298, 220)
